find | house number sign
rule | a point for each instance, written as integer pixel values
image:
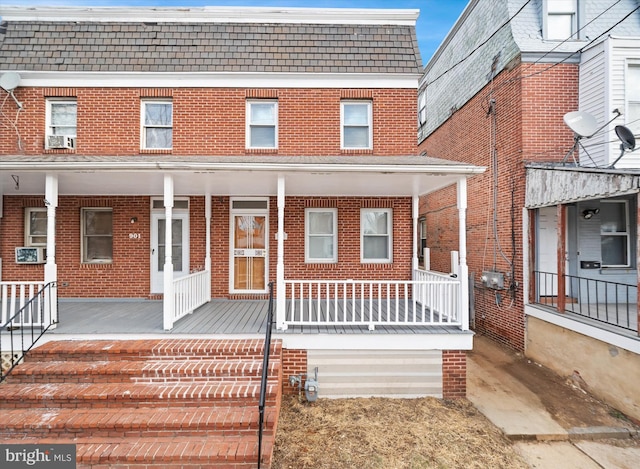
(135, 236)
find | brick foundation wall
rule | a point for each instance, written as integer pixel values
(294, 362)
(454, 374)
(529, 127)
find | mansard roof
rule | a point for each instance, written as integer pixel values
(209, 40)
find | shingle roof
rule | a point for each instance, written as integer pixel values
(207, 47)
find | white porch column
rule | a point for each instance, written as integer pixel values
(207, 256)
(168, 300)
(415, 214)
(463, 271)
(1, 199)
(281, 291)
(51, 268)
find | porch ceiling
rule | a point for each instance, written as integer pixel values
(242, 176)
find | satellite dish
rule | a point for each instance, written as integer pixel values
(582, 123)
(628, 141)
(626, 137)
(10, 81)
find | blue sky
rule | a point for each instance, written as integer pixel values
(435, 20)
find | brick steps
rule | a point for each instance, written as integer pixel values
(140, 404)
(138, 370)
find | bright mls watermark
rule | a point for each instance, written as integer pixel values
(45, 456)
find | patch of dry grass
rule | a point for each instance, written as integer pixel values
(381, 433)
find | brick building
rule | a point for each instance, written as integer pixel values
(506, 90)
(202, 153)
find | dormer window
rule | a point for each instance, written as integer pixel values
(560, 19)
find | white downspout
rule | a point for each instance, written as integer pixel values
(207, 256)
(463, 271)
(280, 287)
(168, 300)
(51, 268)
(415, 214)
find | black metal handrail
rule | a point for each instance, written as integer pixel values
(45, 295)
(599, 300)
(265, 372)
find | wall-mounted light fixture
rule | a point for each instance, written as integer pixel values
(133, 219)
(590, 212)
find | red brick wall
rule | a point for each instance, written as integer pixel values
(294, 362)
(211, 121)
(129, 274)
(529, 127)
(454, 374)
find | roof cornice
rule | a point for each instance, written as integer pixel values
(217, 14)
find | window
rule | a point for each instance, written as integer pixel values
(356, 125)
(61, 120)
(633, 98)
(614, 233)
(422, 238)
(97, 235)
(321, 235)
(157, 125)
(375, 232)
(422, 108)
(35, 228)
(262, 124)
(560, 19)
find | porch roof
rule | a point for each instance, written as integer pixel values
(249, 175)
(552, 184)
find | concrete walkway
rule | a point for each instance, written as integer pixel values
(553, 423)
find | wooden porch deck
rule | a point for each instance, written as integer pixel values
(218, 317)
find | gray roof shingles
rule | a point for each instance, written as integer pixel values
(208, 47)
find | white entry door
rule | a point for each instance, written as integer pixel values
(180, 246)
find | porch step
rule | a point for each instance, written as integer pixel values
(137, 370)
(188, 403)
(381, 373)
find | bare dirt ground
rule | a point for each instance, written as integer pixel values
(381, 433)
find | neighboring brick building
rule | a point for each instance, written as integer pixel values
(235, 146)
(495, 94)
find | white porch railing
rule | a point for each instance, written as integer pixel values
(430, 300)
(14, 296)
(190, 292)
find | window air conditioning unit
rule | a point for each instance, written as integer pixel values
(61, 141)
(30, 255)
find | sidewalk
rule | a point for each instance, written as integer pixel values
(553, 423)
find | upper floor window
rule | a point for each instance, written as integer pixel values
(614, 233)
(157, 125)
(422, 108)
(633, 98)
(97, 235)
(262, 124)
(61, 121)
(321, 239)
(375, 235)
(560, 19)
(35, 227)
(356, 118)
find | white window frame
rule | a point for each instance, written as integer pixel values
(369, 125)
(570, 8)
(422, 108)
(50, 126)
(630, 118)
(251, 125)
(144, 126)
(388, 235)
(28, 237)
(308, 235)
(83, 235)
(625, 234)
